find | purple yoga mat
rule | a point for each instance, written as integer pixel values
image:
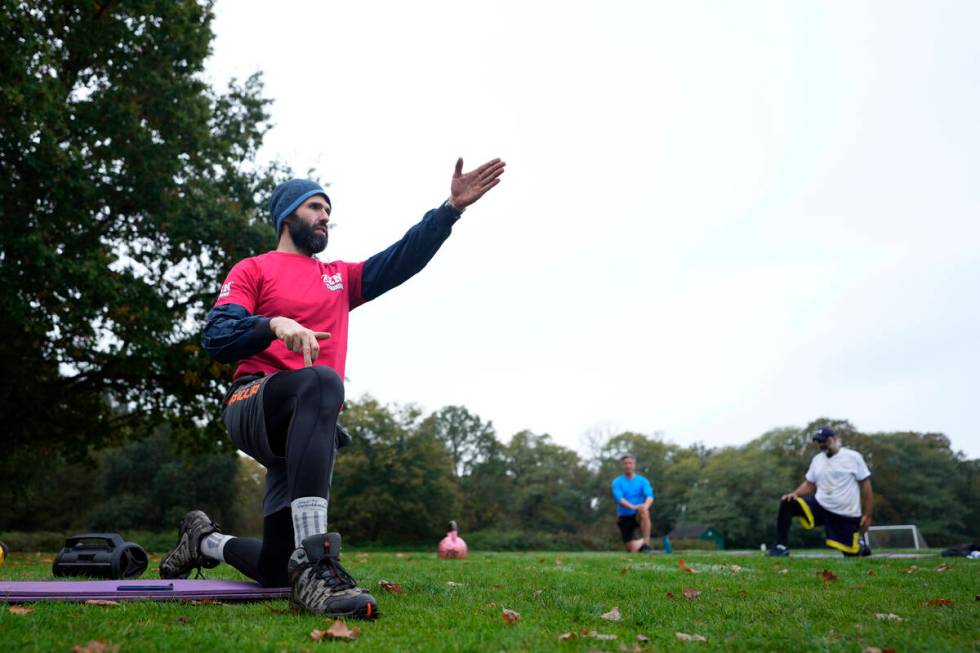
(128, 590)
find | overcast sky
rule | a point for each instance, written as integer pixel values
(717, 218)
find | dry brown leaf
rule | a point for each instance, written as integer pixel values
(684, 637)
(872, 572)
(735, 568)
(670, 595)
(827, 575)
(498, 587)
(910, 570)
(946, 602)
(103, 602)
(595, 635)
(888, 616)
(743, 592)
(511, 617)
(943, 567)
(182, 621)
(20, 609)
(95, 646)
(452, 583)
(564, 637)
(337, 630)
(690, 593)
(559, 561)
(613, 615)
(642, 639)
(625, 570)
(683, 567)
(390, 586)
(783, 571)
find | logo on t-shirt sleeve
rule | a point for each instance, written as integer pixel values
(225, 290)
(333, 281)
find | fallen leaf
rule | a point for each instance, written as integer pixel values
(690, 593)
(402, 555)
(872, 572)
(594, 635)
(95, 646)
(613, 615)
(910, 570)
(390, 586)
(783, 571)
(537, 593)
(888, 616)
(641, 638)
(182, 621)
(20, 609)
(337, 630)
(827, 575)
(735, 568)
(743, 592)
(453, 583)
(683, 567)
(942, 568)
(510, 616)
(684, 637)
(103, 602)
(625, 570)
(558, 561)
(670, 595)
(875, 649)
(947, 602)
(498, 587)
(564, 637)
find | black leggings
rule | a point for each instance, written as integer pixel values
(301, 408)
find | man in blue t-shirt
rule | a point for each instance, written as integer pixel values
(633, 495)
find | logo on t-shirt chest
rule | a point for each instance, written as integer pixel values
(333, 281)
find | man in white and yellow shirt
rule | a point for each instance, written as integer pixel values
(836, 495)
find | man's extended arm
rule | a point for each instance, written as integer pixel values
(867, 504)
(805, 488)
(404, 259)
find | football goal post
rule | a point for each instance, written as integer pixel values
(904, 536)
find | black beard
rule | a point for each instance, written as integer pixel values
(304, 237)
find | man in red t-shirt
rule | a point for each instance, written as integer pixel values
(283, 316)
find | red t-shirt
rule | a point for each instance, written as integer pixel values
(318, 295)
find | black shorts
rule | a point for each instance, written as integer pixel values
(629, 527)
(843, 532)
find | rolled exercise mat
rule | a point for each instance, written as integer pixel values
(130, 590)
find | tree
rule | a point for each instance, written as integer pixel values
(468, 438)
(128, 188)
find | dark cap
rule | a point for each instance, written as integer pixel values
(823, 433)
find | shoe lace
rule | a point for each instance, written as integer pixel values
(330, 571)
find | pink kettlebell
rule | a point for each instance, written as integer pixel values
(452, 546)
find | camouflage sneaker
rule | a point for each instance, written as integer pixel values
(187, 556)
(322, 586)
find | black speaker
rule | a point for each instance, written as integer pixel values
(102, 555)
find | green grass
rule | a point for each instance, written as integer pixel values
(760, 608)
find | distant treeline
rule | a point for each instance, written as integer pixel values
(407, 474)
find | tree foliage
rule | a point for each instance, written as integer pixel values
(128, 187)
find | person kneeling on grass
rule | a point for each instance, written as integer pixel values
(842, 483)
(283, 316)
(633, 495)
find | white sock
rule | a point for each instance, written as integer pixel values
(213, 546)
(309, 517)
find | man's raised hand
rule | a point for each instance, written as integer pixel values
(468, 187)
(298, 338)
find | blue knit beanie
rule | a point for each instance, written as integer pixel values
(289, 195)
